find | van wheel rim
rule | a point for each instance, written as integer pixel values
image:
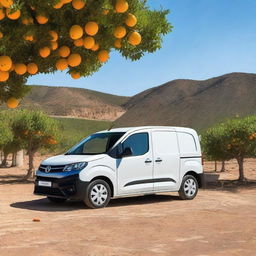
(190, 187)
(99, 194)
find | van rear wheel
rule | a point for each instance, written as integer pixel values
(98, 194)
(189, 188)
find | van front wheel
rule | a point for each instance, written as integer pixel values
(189, 188)
(98, 194)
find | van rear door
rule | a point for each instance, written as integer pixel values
(166, 160)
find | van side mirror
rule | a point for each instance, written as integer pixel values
(127, 152)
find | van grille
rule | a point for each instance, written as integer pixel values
(53, 168)
(48, 191)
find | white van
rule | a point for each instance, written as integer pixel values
(124, 162)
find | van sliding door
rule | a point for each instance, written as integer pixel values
(166, 159)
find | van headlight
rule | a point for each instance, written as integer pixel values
(75, 167)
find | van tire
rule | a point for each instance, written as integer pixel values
(100, 191)
(189, 188)
(56, 200)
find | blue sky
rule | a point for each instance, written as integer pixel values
(210, 38)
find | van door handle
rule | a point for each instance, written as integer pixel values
(148, 161)
(158, 160)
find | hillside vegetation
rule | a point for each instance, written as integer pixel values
(74, 102)
(73, 130)
(197, 104)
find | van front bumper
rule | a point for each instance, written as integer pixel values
(69, 187)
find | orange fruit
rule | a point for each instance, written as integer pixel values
(32, 68)
(61, 64)
(78, 4)
(54, 35)
(118, 43)
(121, 6)
(120, 32)
(5, 63)
(134, 38)
(12, 102)
(89, 42)
(58, 5)
(75, 75)
(74, 60)
(12, 68)
(64, 51)
(66, 1)
(105, 12)
(44, 52)
(91, 28)
(27, 21)
(41, 19)
(13, 15)
(79, 42)
(54, 45)
(20, 68)
(1, 35)
(29, 38)
(131, 20)
(103, 56)
(4, 76)
(6, 3)
(76, 32)
(2, 14)
(95, 47)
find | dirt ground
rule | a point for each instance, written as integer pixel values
(220, 221)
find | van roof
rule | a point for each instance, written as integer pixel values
(131, 129)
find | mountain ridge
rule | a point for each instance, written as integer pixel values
(75, 102)
(183, 102)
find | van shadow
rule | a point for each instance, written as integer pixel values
(46, 206)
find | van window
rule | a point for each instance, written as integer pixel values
(165, 142)
(138, 142)
(187, 142)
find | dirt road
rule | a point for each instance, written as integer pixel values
(218, 222)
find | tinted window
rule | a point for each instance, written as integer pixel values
(138, 143)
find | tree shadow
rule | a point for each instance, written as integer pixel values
(14, 179)
(46, 206)
(231, 185)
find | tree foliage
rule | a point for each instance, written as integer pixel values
(236, 138)
(40, 25)
(29, 130)
(5, 132)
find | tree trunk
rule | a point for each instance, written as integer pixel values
(215, 166)
(240, 161)
(222, 166)
(4, 162)
(20, 158)
(14, 159)
(30, 172)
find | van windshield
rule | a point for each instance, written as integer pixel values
(95, 144)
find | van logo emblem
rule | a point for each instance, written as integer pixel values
(48, 169)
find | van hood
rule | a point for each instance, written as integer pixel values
(70, 159)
